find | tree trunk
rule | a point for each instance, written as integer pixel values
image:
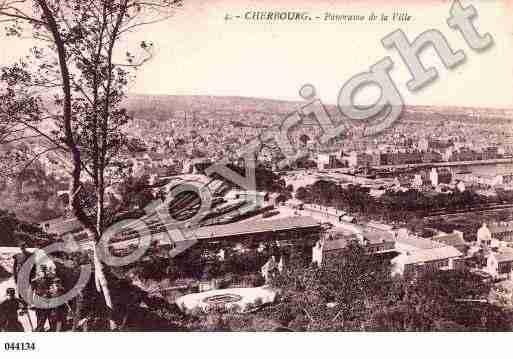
(75, 152)
(101, 284)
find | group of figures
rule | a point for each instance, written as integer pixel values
(44, 284)
(86, 311)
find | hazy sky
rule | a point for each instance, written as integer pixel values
(200, 53)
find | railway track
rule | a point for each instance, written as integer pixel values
(453, 212)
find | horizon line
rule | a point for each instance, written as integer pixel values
(299, 100)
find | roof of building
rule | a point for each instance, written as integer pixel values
(419, 243)
(336, 232)
(376, 237)
(433, 254)
(379, 225)
(339, 239)
(252, 227)
(504, 257)
(451, 239)
(335, 244)
(500, 227)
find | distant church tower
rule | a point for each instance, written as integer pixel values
(484, 236)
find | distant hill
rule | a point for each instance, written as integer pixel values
(163, 106)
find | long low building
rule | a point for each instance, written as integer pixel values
(420, 254)
(425, 260)
(297, 228)
(334, 244)
(287, 228)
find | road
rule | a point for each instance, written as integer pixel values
(448, 164)
(412, 165)
(476, 210)
(330, 215)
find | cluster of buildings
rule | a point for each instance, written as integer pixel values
(408, 254)
(395, 156)
(482, 180)
(335, 241)
(417, 255)
(495, 243)
(183, 143)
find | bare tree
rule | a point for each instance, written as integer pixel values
(67, 94)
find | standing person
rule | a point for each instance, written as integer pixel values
(41, 286)
(9, 312)
(59, 314)
(19, 260)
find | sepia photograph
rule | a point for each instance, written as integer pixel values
(255, 166)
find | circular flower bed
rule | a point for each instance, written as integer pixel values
(241, 299)
(222, 299)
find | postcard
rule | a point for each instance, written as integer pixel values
(254, 166)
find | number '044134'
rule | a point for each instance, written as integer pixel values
(20, 346)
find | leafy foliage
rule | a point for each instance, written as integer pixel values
(135, 193)
(13, 231)
(356, 293)
(391, 206)
(67, 93)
